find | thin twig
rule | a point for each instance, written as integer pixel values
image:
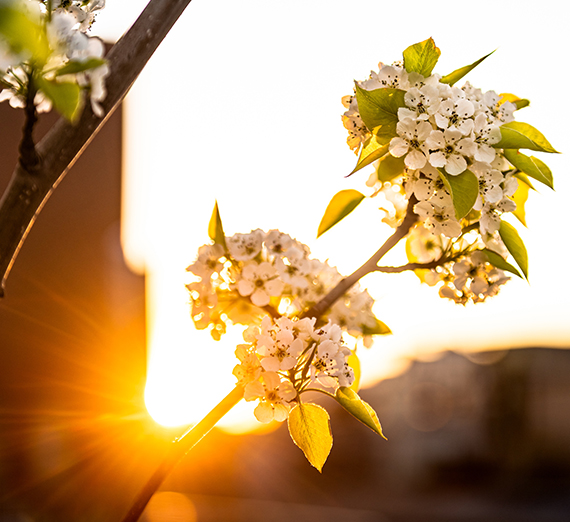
(29, 189)
(411, 266)
(178, 449)
(370, 266)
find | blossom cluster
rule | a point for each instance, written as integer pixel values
(449, 128)
(65, 52)
(284, 357)
(464, 271)
(258, 273)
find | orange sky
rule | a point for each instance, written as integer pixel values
(242, 104)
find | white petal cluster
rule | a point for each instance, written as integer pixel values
(474, 279)
(448, 129)
(284, 357)
(465, 275)
(269, 272)
(66, 29)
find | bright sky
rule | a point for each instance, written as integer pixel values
(241, 103)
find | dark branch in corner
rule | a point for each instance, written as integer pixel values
(32, 183)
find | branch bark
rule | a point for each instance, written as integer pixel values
(178, 449)
(370, 266)
(29, 189)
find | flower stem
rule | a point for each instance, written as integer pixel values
(180, 447)
(370, 266)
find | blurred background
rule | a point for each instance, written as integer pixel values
(242, 104)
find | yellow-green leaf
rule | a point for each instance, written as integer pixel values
(215, 228)
(463, 188)
(65, 96)
(390, 167)
(515, 246)
(531, 166)
(519, 103)
(379, 328)
(497, 261)
(380, 106)
(519, 135)
(340, 206)
(421, 57)
(456, 75)
(359, 409)
(73, 67)
(310, 429)
(372, 150)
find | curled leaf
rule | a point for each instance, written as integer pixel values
(340, 206)
(531, 166)
(380, 106)
(456, 75)
(520, 135)
(215, 228)
(497, 261)
(359, 409)
(463, 188)
(421, 57)
(515, 246)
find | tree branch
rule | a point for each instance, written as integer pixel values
(29, 158)
(411, 266)
(370, 266)
(30, 188)
(178, 449)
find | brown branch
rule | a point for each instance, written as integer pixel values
(30, 188)
(411, 266)
(179, 448)
(29, 158)
(370, 266)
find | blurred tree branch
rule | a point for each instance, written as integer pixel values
(30, 188)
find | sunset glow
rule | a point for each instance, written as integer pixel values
(225, 137)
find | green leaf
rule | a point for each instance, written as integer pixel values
(518, 102)
(309, 427)
(515, 246)
(390, 167)
(464, 189)
(372, 150)
(73, 67)
(379, 328)
(456, 75)
(215, 228)
(531, 166)
(65, 96)
(359, 409)
(421, 57)
(340, 206)
(379, 107)
(23, 35)
(519, 135)
(497, 261)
